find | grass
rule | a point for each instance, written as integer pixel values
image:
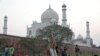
(84, 54)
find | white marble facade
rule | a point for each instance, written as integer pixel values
(49, 17)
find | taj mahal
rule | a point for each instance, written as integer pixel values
(49, 17)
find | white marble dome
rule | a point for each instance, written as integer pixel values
(80, 37)
(48, 15)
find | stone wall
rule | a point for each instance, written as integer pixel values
(83, 49)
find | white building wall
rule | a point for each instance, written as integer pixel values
(80, 44)
(34, 27)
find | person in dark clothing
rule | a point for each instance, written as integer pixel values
(77, 50)
(95, 55)
(64, 52)
(58, 51)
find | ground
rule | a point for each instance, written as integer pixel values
(85, 54)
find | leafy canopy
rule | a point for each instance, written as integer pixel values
(59, 32)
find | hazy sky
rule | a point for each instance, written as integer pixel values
(23, 12)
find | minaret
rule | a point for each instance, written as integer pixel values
(88, 39)
(64, 20)
(27, 31)
(5, 25)
(87, 30)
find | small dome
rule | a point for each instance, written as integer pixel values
(80, 37)
(34, 22)
(5, 17)
(48, 15)
(87, 22)
(63, 5)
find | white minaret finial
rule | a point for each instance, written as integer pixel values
(49, 5)
(5, 25)
(87, 30)
(64, 20)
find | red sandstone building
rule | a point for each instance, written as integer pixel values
(14, 40)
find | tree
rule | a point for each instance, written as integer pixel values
(59, 33)
(27, 43)
(3, 42)
(99, 46)
(33, 45)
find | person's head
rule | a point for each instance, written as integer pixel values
(56, 47)
(6, 46)
(65, 49)
(95, 55)
(76, 45)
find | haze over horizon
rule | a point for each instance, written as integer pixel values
(23, 12)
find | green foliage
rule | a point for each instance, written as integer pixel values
(27, 43)
(3, 42)
(33, 45)
(59, 32)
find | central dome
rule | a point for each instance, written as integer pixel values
(48, 15)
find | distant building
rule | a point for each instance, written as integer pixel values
(50, 17)
(87, 41)
(15, 41)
